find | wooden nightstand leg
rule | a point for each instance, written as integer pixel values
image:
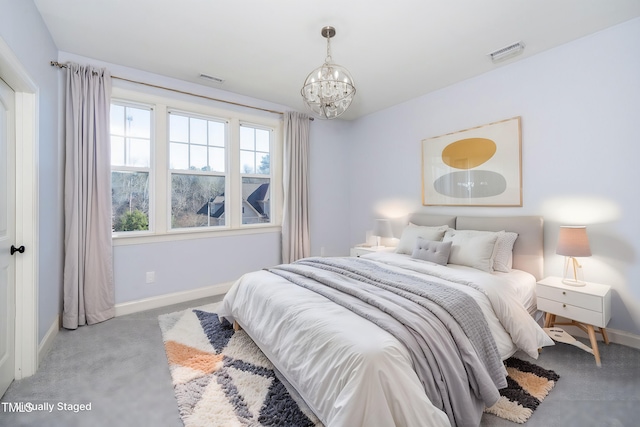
(549, 320)
(594, 343)
(603, 331)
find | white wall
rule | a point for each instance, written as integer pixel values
(22, 28)
(580, 107)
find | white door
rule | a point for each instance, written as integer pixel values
(7, 233)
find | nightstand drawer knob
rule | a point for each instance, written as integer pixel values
(564, 293)
(564, 305)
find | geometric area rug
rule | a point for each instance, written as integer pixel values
(527, 386)
(221, 378)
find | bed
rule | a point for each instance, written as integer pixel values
(415, 361)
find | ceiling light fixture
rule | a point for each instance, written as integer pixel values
(507, 52)
(329, 89)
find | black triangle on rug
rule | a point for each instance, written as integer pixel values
(527, 385)
(222, 378)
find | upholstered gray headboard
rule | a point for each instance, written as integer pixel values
(528, 251)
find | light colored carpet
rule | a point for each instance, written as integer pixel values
(120, 366)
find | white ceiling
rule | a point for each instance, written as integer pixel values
(395, 50)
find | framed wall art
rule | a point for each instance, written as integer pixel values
(481, 166)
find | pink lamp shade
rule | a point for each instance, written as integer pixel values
(573, 241)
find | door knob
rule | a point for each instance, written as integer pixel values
(14, 249)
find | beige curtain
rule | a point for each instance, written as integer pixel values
(295, 221)
(88, 293)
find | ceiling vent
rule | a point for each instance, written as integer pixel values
(507, 52)
(211, 78)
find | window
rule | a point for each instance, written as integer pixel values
(130, 167)
(197, 163)
(180, 168)
(255, 166)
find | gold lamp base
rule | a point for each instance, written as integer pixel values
(571, 264)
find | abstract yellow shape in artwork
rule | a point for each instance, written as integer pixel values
(468, 153)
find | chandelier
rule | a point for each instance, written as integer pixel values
(328, 90)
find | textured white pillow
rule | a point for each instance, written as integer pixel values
(411, 233)
(503, 253)
(472, 248)
(428, 250)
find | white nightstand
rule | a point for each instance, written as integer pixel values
(363, 250)
(585, 307)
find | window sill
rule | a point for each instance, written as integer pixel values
(140, 239)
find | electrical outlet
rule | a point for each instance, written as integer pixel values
(151, 276)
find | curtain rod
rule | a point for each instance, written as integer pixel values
(59, 65)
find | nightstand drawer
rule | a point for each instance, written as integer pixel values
(579, 314)
(574, 298)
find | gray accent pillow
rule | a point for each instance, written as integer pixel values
(428, 250)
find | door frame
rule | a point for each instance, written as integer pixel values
(26, 214)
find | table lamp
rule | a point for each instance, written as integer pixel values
(382, 228)
(573, 242)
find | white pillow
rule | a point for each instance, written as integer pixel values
(472, 248)
(503, 253)
(411, 233)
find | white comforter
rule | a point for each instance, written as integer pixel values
(349, 371)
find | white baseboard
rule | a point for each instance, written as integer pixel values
(173, 298)
(615, 336)
(47, 340)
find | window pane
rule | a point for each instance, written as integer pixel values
(216, 134)
(262, 140)
(247, 160)
(139, 150)
(178, 128)
(117, 151)
(138, 122)
(263, 163)
(130, 122)
(198, 131)
(198, 157)
(130, 201)
(247, 140)
(179, 156)
(117, 120)
(216, 159)
(199, 134)
(197, 201)
(256, 207)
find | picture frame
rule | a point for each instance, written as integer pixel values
(480, 166)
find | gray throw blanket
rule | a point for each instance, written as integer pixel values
(447, 336)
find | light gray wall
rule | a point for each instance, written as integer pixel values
(329, 187)
(190, 264)
(22, 28)
(579, 105)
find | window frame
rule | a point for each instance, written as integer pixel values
(160, 174)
